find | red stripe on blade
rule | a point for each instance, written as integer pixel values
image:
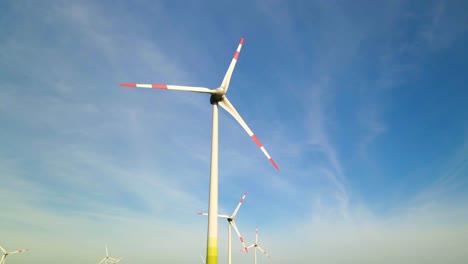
(236, 55)
(274, 164)
(159, 86)
(242, 240)
(128, 84)
(254, 137)
(242, 40)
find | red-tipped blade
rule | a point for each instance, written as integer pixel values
(239, 205)
(169, 87)
(263, 251)
(238, 233)
(230, 109)
(227, 77)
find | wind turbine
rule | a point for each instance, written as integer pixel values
(230, 219)
(218, 97)
(5, 254)
(257, 246)
(108, 259)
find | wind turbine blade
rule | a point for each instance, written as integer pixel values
(263, 251)
(202, 259)
(256, 235)
(102, 260)
(238, 233)
(242, 250)
(239, 205)
(1, 260)
(114, 259)
(230, 109)
(227, 77)
(2, 250)
(170, 87)
(18, 251)
(107, 252)
(222, 216)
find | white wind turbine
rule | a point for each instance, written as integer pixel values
(257, 247)
(108, 259)
(218, 97)
(6, 254)
(230, 219)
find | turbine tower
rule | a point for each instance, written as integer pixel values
(230, 219)
(257, 247)
(218, 97)
(6, 254)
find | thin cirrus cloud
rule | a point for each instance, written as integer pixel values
(85, 162)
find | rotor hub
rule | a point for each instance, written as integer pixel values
(215, 98)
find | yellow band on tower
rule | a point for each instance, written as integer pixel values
(212, 256)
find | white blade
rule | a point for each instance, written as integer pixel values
(222, 216)
(230, 109)
(263, 251)
(2, 250)
(102, 260)
(18, 251)
(170, 87)
(1, 260)
(239, 205)
(238, 233)
(202, 259)
(227, 77)
(116, 260)
(107, 253)
(256, 235)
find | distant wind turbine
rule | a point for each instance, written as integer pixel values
(218, 97)
(6, 254)
(230, 219)
(257, 247)
(108, 259)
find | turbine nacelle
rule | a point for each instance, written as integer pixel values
(216, 98)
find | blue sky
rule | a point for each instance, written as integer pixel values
(362, 104)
